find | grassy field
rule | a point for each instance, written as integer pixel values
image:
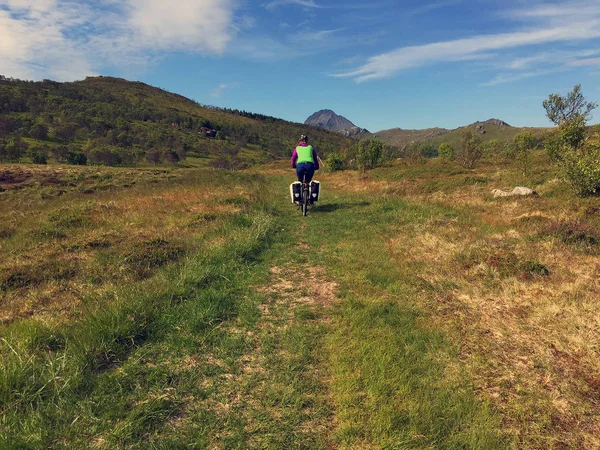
(196, 308)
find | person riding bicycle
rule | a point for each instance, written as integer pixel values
(305, 160)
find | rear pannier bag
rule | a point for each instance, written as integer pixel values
(296, 191)
(315, 191)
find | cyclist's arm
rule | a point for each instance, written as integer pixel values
(294, 159)
(316, 159)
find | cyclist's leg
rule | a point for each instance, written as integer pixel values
(300, 169)
(310, 171)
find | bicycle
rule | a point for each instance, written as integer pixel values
(304, 199)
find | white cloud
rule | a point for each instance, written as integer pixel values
(221, 88)
(32, 43)
(305, 3)
(203, 26)
(584, 62)
(66, 40)
(580, 27)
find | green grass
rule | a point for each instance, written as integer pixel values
(391, 317)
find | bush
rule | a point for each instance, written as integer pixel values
(470, 149)
(334, 162)
(105, 156)
(76, 158)
(39, 156)
(369, 154)
(523, 143)
(446, 151)
(582, 171)
(154, 156)
(578, 158)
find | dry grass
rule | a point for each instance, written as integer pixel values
(530, 340)
(58, 250)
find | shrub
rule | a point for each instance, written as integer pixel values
(582, 170)
(369, 154)
(154, 156)
(446, 151)
(334, 162)
(76, 158)
(523, 143)
(492, 148)
(470, 149)
(172, 157)
(579, 160)
(39, 155)
(105, 156)
(39, 131)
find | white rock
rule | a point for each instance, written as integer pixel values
(521, 190)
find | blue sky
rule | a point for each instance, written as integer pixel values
(380, 63)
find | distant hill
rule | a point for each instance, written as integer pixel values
(113, 121)
(329, 120)
(489, 129)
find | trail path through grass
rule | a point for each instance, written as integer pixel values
(281, 331)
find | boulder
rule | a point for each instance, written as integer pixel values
(521, 190)
(518, 191)
(501, 193)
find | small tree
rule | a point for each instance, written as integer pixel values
(369, 154)
(334, 162)
(523, 144)
(39, 131)
(492, 148)
(446, 151)
(567, 109)
(39, 155)
(470, 149)
(76, 158)
(579, 160)
(14, 150)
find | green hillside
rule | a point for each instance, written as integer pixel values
(488, 130)
(116, 122)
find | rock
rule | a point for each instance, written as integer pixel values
(501, 193)
(518, 191)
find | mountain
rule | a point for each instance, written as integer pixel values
(489, 129)
(112, 121)
(329, 120)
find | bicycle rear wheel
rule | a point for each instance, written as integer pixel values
(304, 201)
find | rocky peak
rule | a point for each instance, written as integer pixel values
(329, 120)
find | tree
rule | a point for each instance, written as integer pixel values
(14, 150)
(523, 144)
(369, 154)
(492, 148)
(334, 162)
(39, 131)
(561, 109)
(470, 150)
(76, 158)
(446, 151)
(39, 155)
(567, 145)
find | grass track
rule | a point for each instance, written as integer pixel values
(275, 331)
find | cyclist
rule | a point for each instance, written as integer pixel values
(305, 160)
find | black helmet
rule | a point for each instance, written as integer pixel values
(303, 138)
